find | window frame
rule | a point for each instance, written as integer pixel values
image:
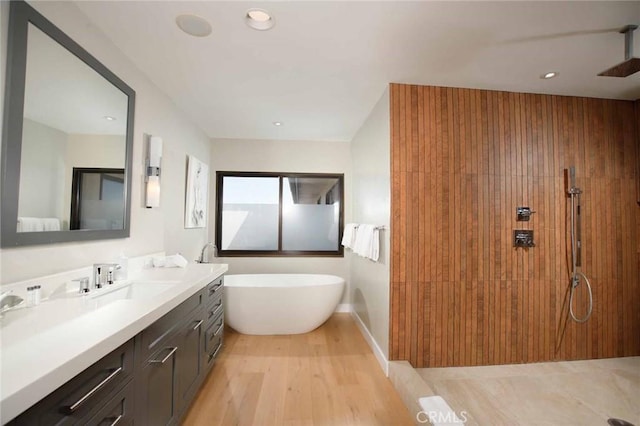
(220, 175)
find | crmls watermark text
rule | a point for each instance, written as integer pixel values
(440, 417)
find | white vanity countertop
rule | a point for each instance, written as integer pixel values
(47, 345)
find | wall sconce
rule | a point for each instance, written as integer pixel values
(152, 175)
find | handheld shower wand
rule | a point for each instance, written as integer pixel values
(576, 248)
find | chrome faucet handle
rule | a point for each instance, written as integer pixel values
(99, 273)
(111, 269)
(84, 285)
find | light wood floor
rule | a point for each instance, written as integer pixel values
(328, 377)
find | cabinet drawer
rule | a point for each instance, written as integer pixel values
(213, 311)
(214, 331)
(213, 350)
(214, 291)
(118, 411)
(154, 337)
(85, 393)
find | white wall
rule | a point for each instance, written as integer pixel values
(42, 171)
(152, 230)
(282, 156)
(371, 203)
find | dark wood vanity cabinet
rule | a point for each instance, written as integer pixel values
(167, 389)
(189, 365)
(117, 411)
(151, 379)
(83, 397)
(155, 383)
(214, 323)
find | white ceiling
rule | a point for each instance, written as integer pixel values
(324, 65)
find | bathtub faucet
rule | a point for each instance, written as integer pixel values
(202, 258)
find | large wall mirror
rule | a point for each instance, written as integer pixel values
(67, 139)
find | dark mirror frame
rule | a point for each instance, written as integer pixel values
(20, 16)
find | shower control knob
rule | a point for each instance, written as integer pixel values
(523, 238)
(523, 214)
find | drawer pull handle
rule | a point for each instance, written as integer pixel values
(215, 309)
(215, 353)
(214, 289)
(73, 407)
(215, 333)
(198, 324)
(163, 360)
(116, 420)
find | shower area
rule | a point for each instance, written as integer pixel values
(464, 291)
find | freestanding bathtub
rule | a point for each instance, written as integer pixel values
(280, 303)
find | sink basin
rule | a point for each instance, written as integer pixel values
(10, 301)
(139, 290)
(68, 307)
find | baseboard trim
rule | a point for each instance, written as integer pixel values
(377, 352)
(343, 307)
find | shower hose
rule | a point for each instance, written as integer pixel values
(575, 273)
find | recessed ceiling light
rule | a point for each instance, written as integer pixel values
(109, 118)
(277, 123)
(259, 19)
(194, 25)
(548, 75)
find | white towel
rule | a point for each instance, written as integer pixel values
(51, 224)
(175, 261)
(349, 235)
(367, 242)
(375, 245)
(38, 224)
(30, 224)
(438, 412)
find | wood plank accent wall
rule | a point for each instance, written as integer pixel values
(637, 106)
(462, 161)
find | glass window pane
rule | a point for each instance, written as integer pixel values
(310, 214)
(250, 213)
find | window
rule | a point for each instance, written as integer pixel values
(279, 214)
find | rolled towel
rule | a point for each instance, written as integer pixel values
(175, 261)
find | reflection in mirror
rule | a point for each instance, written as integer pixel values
(97, 198)
(73, 118)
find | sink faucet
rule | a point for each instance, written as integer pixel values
(84, 285)
(204, 249)
(103, 273)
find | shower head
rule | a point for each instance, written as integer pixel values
(630, 65)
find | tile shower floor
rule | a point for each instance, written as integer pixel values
(552, 393)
